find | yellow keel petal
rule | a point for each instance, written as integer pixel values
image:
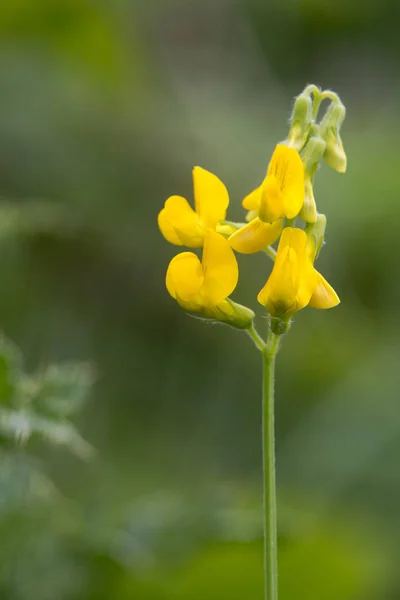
(255, 236)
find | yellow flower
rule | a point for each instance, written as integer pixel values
(280, 195)
(183, 226)
(294, 282)
(203, 287)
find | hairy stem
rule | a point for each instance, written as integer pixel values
(268, 430)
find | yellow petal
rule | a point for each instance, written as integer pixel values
(185, 278)
(286, 166)
(179, 224)
(255, 236)
(293, 278)
(211, 197)
(252, 200)
(272, 205)
(220, 268)
(167, 228)
(324, 295)
(280, 292)
(226, 229)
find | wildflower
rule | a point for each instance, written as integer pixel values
(280, 195)
(203, 287)
(183, 226)
(294, 282)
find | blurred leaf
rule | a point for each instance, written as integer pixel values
(22, 484)
(10, 371)
(61, 390)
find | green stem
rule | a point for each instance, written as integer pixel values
(256, 337)
(331, 95)
(270, 515)
(271, 252)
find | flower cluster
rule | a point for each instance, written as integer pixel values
(273, 208)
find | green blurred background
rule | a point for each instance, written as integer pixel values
(105, 106)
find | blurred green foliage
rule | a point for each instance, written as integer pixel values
(104, 108)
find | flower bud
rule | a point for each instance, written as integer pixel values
(309, 209)
(279, 326)
(313, 154)
(334, 155)
(300, 121)
(231, 313)
(317, 231)
(311, 157)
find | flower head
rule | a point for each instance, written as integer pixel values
(294, 282)
(183, 226)
(203, 287)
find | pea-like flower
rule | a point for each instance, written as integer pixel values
(203, 287)
(294, 282)
(280, 195)
(183, 226)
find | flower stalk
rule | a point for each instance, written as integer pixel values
(269, 477)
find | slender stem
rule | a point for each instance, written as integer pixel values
(270, 514)
(271, 252)
(311, 89)
(331, 95)
(256, 337)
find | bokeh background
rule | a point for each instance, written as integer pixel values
(105, 106)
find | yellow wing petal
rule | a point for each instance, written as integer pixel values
(252, 200)
(220, 268)
(211, 197)
(255, 236)
(185, 278)
(324, 295)
(286, 166)
(179, 224)
(167, 229)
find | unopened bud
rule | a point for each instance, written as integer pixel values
(231, 313)
(309, 209)
(313, 154)
(300, 122)
(334, 155)
(311, 157)
(279, 326)
(317, 232)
